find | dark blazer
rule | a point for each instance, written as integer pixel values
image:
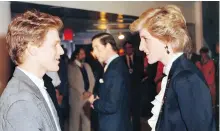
(187, 101)
(113, 105)
(195, 58)
(135, 89)
(52, 92)
(138, 70)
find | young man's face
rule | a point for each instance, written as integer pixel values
(50, 51)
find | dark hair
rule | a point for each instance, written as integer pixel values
(127, 42)
(204, 50)
(75, 53)
(106, 38)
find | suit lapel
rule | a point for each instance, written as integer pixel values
(178, 65)
(21, 76)
(134, 60)
(125, 60)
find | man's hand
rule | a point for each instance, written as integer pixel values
(145, 78)
(59, 97)
(86, 95)
(92, 99)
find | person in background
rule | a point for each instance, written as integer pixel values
(193, 57)
(207, 67)
(159, 76)
(51, 90)
(62, 90)
(135, 66)
(55, 78)
(81, 82)
(148, 91)
(112, 104)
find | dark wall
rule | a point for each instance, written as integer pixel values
(210, 12)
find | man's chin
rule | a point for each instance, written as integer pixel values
(82, 61)
(101, 61)
(53, 69)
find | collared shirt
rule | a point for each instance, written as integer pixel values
(127, 59)
(78, 63)
(84, 73)
(158, 101)
(109, 61)
(40, 84)
(55, 78)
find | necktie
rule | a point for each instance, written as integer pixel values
(85, 77)
(130, 62)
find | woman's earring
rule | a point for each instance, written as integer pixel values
(166, 47)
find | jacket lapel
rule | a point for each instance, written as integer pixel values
(178, 65)
(18, 74)
(21, 76)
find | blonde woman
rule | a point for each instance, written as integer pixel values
(184, 102)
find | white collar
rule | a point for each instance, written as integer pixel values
(167, 68)
(110, 60)
(78, 63)
(37, 81)
(130, 55)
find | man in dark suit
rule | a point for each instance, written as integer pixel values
(112, 104)
(135, 66)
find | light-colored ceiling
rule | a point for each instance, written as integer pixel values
(134, 8)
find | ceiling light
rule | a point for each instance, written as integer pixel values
(121, 36)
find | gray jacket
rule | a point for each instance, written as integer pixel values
(23, 107)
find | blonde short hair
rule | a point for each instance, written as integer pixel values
(166, 24)
(30, 26)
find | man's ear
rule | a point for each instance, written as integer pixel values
(32, 49)
(108, 45)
